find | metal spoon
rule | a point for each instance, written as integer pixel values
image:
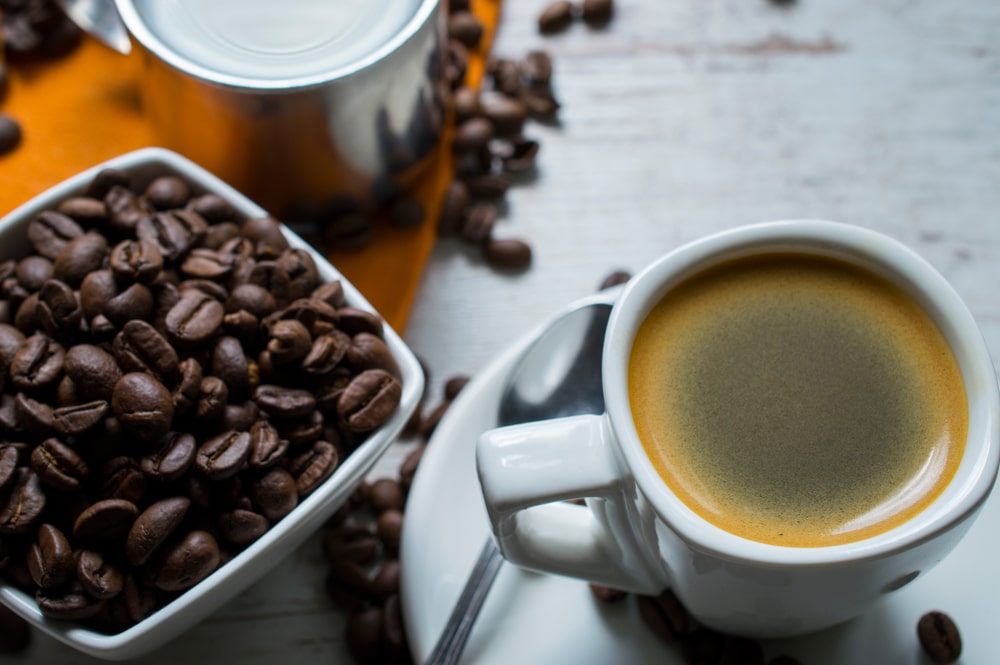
(558, 374)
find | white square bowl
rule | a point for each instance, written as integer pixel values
(285, 535)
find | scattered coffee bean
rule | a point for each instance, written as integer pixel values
(10, 133)
(597, 12)
(939, 637)
(508, 253)
(466, 28)
(556, 17)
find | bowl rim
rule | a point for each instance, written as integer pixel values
(288, 533)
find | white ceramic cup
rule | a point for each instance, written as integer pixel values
(635, 534)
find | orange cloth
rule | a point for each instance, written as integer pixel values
(85, 108)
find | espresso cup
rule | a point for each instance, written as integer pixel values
(802, 416)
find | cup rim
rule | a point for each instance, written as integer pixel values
(877, 252)
(424, 13)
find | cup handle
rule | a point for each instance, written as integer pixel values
(525, 470)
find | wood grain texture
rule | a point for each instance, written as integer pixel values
(681, 118)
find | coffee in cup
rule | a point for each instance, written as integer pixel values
(797, 400)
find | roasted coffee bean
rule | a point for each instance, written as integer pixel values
(214, 209)
(213, 395)
(153, 527)
(289, 341)
(122, 478)
(143, 405)
(537, 67)
(99, 578)
(477, 227)
(173, 232)
(473, 135)
(385, 494)
(364, 635)
(394, 644)
(87, 210)
(173, 458)
(303, 431)
(125, 210)
(274, 494)
(488, 185)
(614, 279)
(242, 527)
(366, 351)
(96, 290)
(520, 155)
(58, 310)
(301, 271)
(313, 466)
(182, 565)
(194, 320)
(135, 302)
(211, 289)
(664, 615)
(80, 257)
(325, 353)
(252, 298)
(506, 114)
(188, 385)
(140, 601)
(540, 101)
(466, 28)
(207, 264)
(15, 633)
(385, 582)
(508, 253)
(77, 419)
(282, 402)
(456, 200)
(389, 527)
(223, 455)
(166, 192)
(105, 180)
(8, 466)
(105, 522)
(369, 400)
(38, 364)
(408, 469)
(93, 371)
(25, 502)
(11, 340)
(456, 63)
(351, 542)
(354, 321)
(50, 559)
(597, 12)
(266, 447)
(265, 233)
(34, 417)
(140, 347)
(239, 417)
(556, 17)
(939, 637)
(33, 271)
(350, 582)
(506, 75)
(67, 603)
(331, 293)
(10, 133)
(231, 365)
(607, 594)
(218, 234)
(58, 466)
(135, 261)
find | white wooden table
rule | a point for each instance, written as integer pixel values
(685, 117)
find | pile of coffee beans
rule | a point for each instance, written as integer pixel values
(560, 14)
(175, 379)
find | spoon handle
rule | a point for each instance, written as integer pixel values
(450, 644)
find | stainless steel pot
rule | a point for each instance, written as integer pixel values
(295, 120)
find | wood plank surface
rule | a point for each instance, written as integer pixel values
(681, 118)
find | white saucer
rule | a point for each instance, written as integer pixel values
(532, 619)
